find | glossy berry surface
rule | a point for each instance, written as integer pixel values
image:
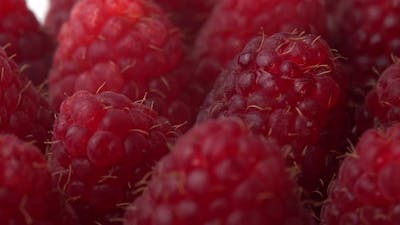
(58, 13)
(219, 173)
(23, 39)
(289, 87)
(127, 46)
(26, 192)
(23, 111)
(368, 184)
(104, 145)
(367, 34)
(234, 22)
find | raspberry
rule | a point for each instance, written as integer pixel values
(288, 87)
(23, 111)
(58, 13)
(367, 34)
(104, 145)
(26, 192)
(127, 46)
(189, 15)
(22, 38)
(219, 173)
(234, 22)
(368, 185)
(382, 105)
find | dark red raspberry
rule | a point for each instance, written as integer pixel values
(58, 13)
(23, 111)
(367, 189)
(103, 147)
(26, 192)
(127, 46)
(234, 22)
(382, 104)
(23, 39)
(219, 173)
(367, 34)
(289, 87)
(189, 15)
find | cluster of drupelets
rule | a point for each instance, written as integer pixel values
(202, 112)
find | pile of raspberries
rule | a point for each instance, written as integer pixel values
(200, 112)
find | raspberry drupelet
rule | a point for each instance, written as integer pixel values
(27, 195)
(287, 86)
(23, 111)
(220, 173)
(104, 145)
(367, 189)
(22, 37)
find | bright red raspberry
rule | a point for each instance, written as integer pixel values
(22, 38)
(382, 104)
(219, 173)
(234, 22)
(104, 145)
(58, 13)
(367, 189)
(26, 192)
(23, 111)
(287, 86)
(126, 46)
(189, 15)
(367, 34)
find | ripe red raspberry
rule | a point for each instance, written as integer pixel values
(234, 22)
(219, 173)
(367, 34)
(23, 111)
(26, 192)
(127, 46)
(104, 145)
(22, 38)
(189, 15)
(367, 189)
(289, 87)
(58, 13)
(382, 104)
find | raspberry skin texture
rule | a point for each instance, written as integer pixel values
(289, 87)
(23, 111)
(26, 190)
(58, 13)
(188, 15)
(234, 22)
(23, 38)
(381, 106)
(120, 46)
(219, 173)
(367, 34)
(367, 186)
(104, 145)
